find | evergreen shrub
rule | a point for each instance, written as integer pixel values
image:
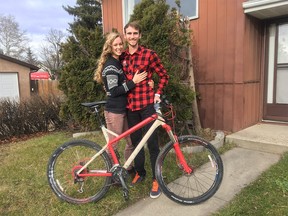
(162, 31)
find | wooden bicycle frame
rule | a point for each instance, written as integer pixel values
(158, 121)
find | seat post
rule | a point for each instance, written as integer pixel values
(100, 122)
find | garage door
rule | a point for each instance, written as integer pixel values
(9, 87)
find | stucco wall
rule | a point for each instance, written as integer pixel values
(23, 76)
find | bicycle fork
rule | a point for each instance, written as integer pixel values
(177, 149)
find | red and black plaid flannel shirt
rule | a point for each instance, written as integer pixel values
(143, 60)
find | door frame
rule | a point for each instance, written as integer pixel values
(273, 112)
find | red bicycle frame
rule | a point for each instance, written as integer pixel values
(158, 121)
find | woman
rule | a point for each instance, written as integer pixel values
(109, 72)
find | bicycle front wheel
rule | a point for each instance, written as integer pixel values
(198, 186)
(64, 164)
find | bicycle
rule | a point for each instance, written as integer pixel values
(189, 169)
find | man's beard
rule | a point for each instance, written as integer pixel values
(133, 44)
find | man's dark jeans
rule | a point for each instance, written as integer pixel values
(134, 117)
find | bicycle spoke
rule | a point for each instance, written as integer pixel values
(64, 165)
(192, 188)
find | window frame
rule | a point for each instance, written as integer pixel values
(128, 7)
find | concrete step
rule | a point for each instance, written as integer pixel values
(266, 137)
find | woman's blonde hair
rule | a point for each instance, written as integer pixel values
(107, 51)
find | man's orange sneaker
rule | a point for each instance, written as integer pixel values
(155, 191)
(137, 179)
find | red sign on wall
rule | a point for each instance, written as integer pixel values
(39, 75)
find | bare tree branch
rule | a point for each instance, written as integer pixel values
(13, 41)
(50, 52)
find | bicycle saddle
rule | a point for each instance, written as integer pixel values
(93, 104)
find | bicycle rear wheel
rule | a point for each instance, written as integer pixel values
(67, 160)
(202, 183)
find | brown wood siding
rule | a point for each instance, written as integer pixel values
(227, 50)
(254, 42)
(112, 15)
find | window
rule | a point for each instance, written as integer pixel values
(277, 90)
(128, 7)
(189, 8)
(282, 65)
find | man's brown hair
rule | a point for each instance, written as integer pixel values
(133, 24)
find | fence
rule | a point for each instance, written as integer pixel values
(48, 87)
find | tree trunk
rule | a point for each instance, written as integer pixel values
(196, 117)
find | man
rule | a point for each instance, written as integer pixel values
(142, 98)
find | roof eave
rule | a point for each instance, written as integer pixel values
(266, 9)
(8, 58)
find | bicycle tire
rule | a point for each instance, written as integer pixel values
(202, 183)
(60, 172)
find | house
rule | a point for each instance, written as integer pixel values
(15, 78)
(241, 54)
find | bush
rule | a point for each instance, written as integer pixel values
(80, 53)
(84, 47)
(35, 115)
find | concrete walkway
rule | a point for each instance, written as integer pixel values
(242, 165)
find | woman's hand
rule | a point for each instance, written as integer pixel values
(139, 77)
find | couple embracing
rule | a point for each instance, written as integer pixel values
(127, 77)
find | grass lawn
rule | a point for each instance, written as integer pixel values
(268, 195)
(24, 188)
